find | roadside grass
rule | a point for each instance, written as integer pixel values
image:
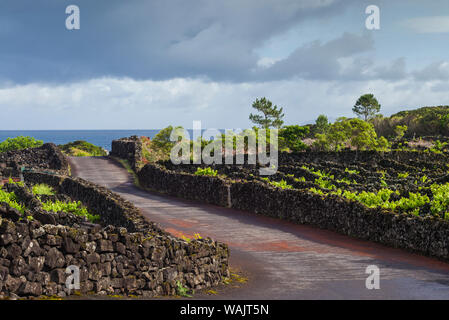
(125, 164)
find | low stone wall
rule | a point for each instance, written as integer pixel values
(34, 258)
(354, 157)
(429, 236)
(124, 254)
(47, 157)
(188, 186)
(140, 259)
(113, 209)
(129, 149)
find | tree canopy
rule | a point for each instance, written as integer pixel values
(355, 133)
(321, 124)
(291, 137)
(271, 115)
(366, 106)
(162, 140)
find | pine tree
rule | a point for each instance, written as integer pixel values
(366, 106)
(272, 116)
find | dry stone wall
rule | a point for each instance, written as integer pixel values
(46, 158)
(34, 258)
(129, 149)
(426, 235)
(123, 254)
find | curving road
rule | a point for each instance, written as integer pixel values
(282, 260)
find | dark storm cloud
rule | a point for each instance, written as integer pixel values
(149, 39)
(319, 61)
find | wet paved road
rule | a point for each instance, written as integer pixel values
(283, 260)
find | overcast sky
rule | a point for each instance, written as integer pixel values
(147, 64)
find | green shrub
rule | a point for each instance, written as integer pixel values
(19, 143)
(11, 199)
(352, 171)
(181, 290)
(291, 137)
(43, 189)
(403, 175)
(440, 201)
(82, 149)
(281, 184)
(74, 207)
(354, 133)
(325, 184)
(19, 183)
(206, 172)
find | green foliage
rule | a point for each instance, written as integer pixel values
(43, 189)
(321, 124)
(206, 172)
(346, 181)
(290, 137)
(316, 191)
(440, 201)
(181, 290)
(350, 132)
(383, 144)
(271, 115)
(426, 121)
(382, 199)
(366, 106)
(11, 199)
(439, 146)
(325, 184)
(400, 131)
(403, 175)
(280, 184)
(162, 142)
(19, 183)
(82, 149)
(19, 143)
(74, 207)
(352, 171)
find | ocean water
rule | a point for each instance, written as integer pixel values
(102, 138)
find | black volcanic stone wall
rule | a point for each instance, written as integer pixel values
(129, 149)
(360, 156)
(34, 258)
(428, 235)
(125, 254)
(112, 208)
(188, 186)
(47, 157)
